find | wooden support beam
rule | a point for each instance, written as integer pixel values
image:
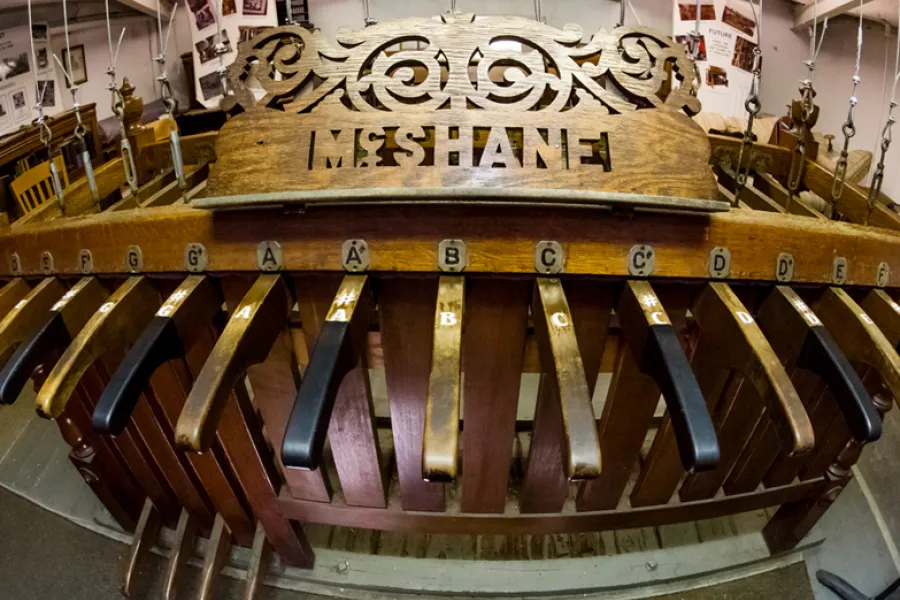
(825, 8)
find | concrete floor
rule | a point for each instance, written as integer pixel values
(47, 557)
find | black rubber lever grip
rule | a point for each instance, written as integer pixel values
(159, 343)
(666, 363)
(51, 337)
(332, 358)
(821, 355)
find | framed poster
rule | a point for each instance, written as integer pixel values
(79, 68)
(255, 7)
(20, 105)
(5, 117)
(48, 88)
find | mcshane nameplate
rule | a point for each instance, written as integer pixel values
(459, 108)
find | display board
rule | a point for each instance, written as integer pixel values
(240, 20)
(20, 78)
(728, 32)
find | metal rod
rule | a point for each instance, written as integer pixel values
(849, 126)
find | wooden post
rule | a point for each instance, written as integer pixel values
(794, 520)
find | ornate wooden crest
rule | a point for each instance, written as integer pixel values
(461, 107)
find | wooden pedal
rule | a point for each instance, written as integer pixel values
(67, 315)
(144, 538)
(859, 337)
(440, 443)
(801, 342)
(182, 318)
(185, 535)
(885, 311)
(338, 349)
(730, 340)
(27, 314)
(115, 325)
(654, 345)
(218, 548)
(10, 294)
(260, 559)
(563, 371)
(253, 328)
(794, 322)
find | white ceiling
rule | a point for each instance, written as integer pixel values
(876, 10)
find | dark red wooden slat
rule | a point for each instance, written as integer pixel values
(493, 350)
(407, 319)
(351, 431)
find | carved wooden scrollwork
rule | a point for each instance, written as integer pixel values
(459, 62)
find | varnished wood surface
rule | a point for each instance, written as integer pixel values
(351, 428)
(407, 319)
(252, 465)
(498, 241)
(440, 446)
(26, 315)
(395, 519)
(252, 330)
(730, 341)
(115, 325)
(495, 323)
(274, 385)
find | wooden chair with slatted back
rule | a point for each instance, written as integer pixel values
(35, 186)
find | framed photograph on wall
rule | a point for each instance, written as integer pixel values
(255, 7)
(48, 87)
(42, 61)
(21, 111)
(79, 67)
(5, 117)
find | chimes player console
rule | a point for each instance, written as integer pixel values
(493, 197)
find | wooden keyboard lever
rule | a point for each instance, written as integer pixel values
(885, 311)
(440, 443)
(68, 314)
(858, 335)
(563, 370)
(251, 332)
(742, 346)
(27, 314)
(338, 349)
(800, 340)
(186, 314)
(115, 325)
(654, 344)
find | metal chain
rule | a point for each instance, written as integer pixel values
(45, 133)
(694, 47)
(118, 107)
(849, 126)
(807, 104)
(878, 176)
(80, 129)
(169, 102)
(753, 106)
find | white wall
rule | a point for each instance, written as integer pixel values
(14, 41)
(139, 48)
